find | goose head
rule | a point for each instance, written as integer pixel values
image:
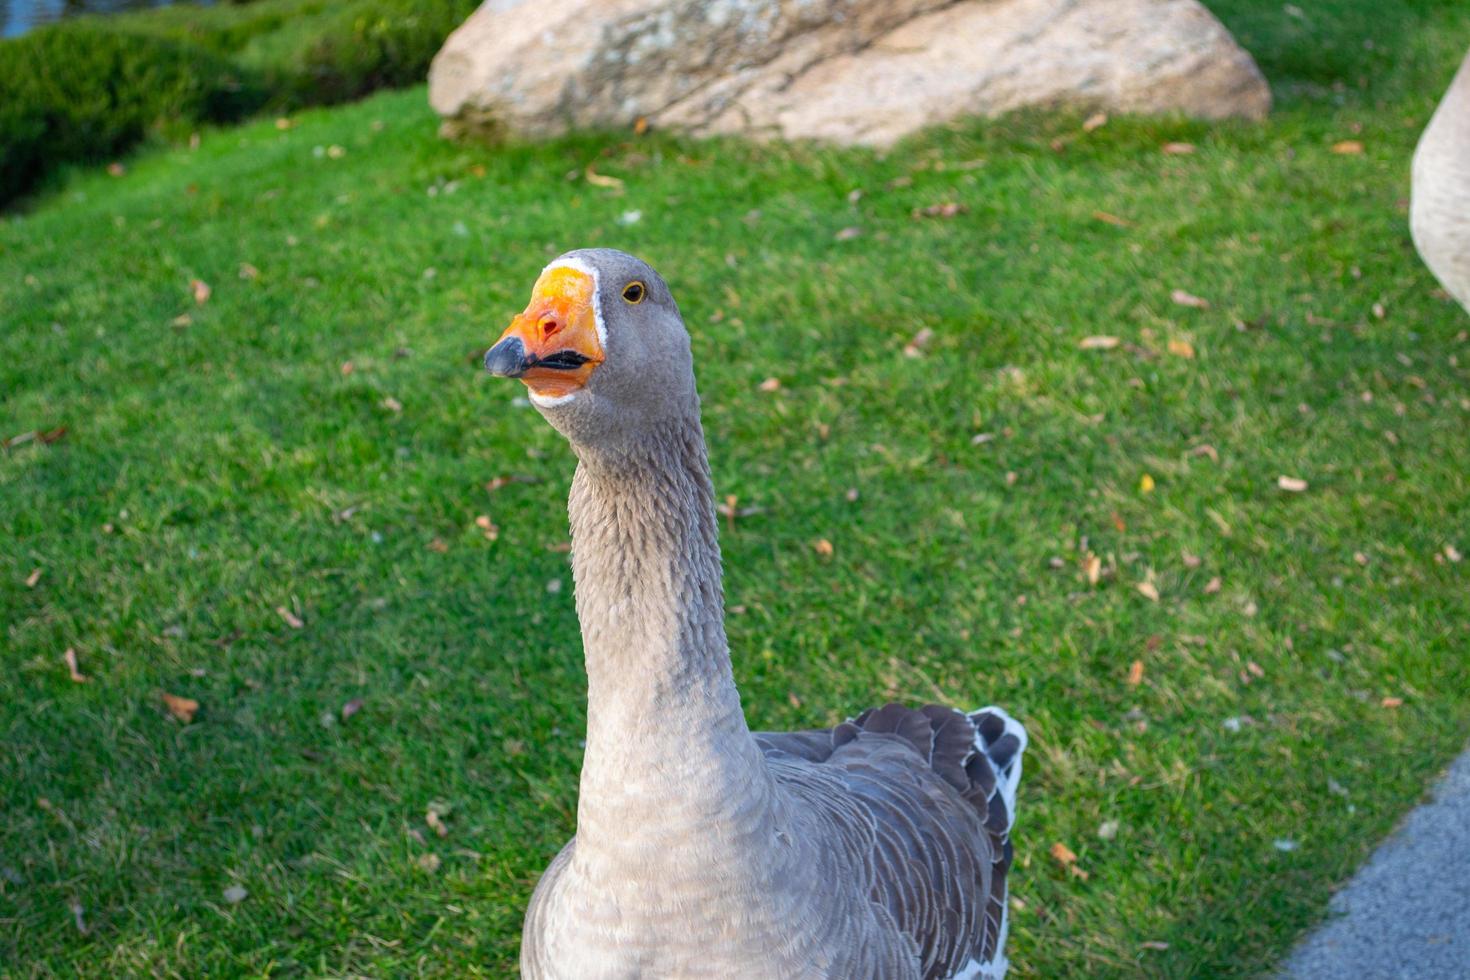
(601, 348)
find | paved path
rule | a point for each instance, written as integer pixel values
(1406, 914)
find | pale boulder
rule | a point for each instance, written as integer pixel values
(847, 71)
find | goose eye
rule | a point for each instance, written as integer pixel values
(633, 292)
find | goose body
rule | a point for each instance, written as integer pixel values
(1439, 210)
(875, 849)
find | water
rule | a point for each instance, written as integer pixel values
(19, 16)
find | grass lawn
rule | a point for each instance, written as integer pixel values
(317, 438)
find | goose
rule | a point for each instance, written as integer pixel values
(1439, 208)
(877, 848)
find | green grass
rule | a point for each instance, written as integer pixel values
(217, 467)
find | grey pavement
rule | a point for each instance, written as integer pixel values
(1406, 914)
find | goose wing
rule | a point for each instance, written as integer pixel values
(927, 802)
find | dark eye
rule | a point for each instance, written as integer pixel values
(633, 292)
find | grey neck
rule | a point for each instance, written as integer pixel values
(666, 738)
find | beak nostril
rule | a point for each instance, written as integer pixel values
(549, 326)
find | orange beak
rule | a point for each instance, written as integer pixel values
(553, 345)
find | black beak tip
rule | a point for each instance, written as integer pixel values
(507, 359)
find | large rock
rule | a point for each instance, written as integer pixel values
(850, 71)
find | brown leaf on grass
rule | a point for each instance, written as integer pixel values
(1092, 569)
(1177, 149)
(200, 289)
(770, 384)
(917, 343)
(848, 234)
(495, 483)
(283, 124)
(487, 527)
(602, 180)
(1213, 585)
(822, 547)
(1205, 449)
(1291, 484)
(1112, 219)
(437, 546)
(1118, 523)
(351, 708)
(1391, 703)
(1348, 147)
(1192, 561)
(33, 578)
(946, 210)
(1095, 121)
(1098, 343)
(640, 125)
(1450, 552)
(48, 436)
(1146, 484)
(290, 618)
(436, 824)
(428, 862)
(1148, 590)
(1183, 297)
(70, 657)
(392, 404)
(116, 169)
(1135, 673)
(1181, 348)
(182, 709)
(1067, 858)
(248, 271)
(1153, 944)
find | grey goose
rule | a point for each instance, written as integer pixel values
(874, 850)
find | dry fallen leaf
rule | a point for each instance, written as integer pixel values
(770, 384)
(1154, 944)
(431, 817)
(1185, 298)
(235, 894)
(35, 577)
(1098, 343)
(1095, 121)
(1112, 219)
(947, 210)
(1148, 590)
(1291, 483)
(848, 234)
(116, 169)
(1146, 484)
(487, 527)
(1450, 552)
(1192, 561)
(1108, 829)
(1135, 673)
(1092, 569)
(291, 619)
(70, 656)
(602, 180)
(917, 343)
(1391, 702)
(1177, 149)
(1213, 585)
(822, 547)
(201, 291)
(351, 708)
(248, 271)
(429, 862)
(495, 483)
(392, 404)
(1063, 854)
(1181, 348)
(1205, 449)
(181, 708)
(1348, 147)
